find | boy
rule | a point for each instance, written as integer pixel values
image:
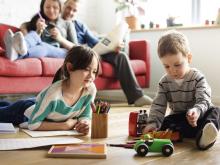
(187, 92)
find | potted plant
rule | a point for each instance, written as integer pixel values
(130, 10)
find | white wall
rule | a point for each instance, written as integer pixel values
(99, 15)
(15, 12)
(205, 47)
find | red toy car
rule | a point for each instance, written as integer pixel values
(137, 122)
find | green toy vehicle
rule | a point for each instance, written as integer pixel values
(148, 144)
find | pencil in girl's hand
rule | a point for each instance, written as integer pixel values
(40, 16)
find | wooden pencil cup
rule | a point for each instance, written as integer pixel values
(99, 125)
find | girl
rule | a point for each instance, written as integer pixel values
(47, 32)
(64, 105)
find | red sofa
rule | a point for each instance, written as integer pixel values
(31, 75)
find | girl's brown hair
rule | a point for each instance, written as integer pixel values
(80, 57)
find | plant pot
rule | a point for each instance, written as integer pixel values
(133, 22)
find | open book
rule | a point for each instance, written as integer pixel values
(21, 143)
(110, 42)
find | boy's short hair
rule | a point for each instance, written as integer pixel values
(173, 42)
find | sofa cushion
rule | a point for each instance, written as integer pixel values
(50, 65)
(107, 70)
(3, 29)
(138, 67)
(25, 67)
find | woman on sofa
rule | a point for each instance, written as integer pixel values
(118, 59)
(48, 35)
(64, 105)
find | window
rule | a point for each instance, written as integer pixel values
(186, 12)
(209, 10)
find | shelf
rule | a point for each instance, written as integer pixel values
(178, 28)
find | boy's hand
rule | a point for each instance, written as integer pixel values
(82, 126)
(192, 116)
(149, 128)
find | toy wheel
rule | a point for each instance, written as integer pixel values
(142, 150)
(167, 150)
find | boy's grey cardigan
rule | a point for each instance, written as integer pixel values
(193, 93)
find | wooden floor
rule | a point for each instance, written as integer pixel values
(185, 152)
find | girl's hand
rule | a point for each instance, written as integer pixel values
(82, 126)
(149, 128)
(70, 124)
(192, 116)
(55, 34)
(40, 25)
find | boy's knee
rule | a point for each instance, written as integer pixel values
(124, 55)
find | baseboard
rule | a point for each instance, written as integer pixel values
(118, 96)
(108, 95)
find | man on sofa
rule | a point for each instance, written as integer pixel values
(119, 60)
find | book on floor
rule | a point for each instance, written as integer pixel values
(93, 151)
(7, 128)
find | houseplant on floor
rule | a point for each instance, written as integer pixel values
(130, 10)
